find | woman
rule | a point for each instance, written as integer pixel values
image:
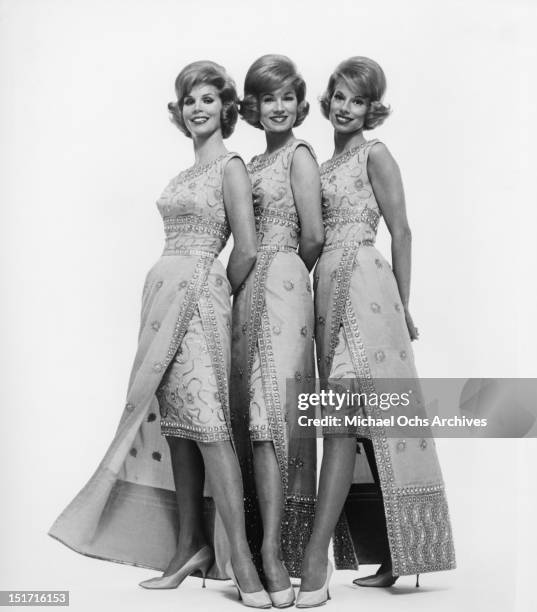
(363, 332)
(273, 320)
(127, 511)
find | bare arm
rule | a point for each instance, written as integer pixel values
(306, 186)
(387, 186)
(240, 213)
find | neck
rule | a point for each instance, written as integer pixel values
(277, 140)
(208, 148)
(344, 142)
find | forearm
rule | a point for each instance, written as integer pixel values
(309, 250)
(239, 266)
(401, 263)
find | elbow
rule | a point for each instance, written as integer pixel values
(402, 235)
(246, 253)
(314, 241)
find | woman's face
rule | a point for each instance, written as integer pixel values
(202, 109)
(347, 109)
(278, 109)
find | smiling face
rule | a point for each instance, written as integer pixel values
(278, 110)
(348, 109)
(202, 109)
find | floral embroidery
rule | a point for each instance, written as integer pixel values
(375, 307)
(380, 356)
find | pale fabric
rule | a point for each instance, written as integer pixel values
(361, 333)
(127, 511)
(273, 350)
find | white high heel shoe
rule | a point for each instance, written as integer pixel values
(312, 599)
(201, 561)
(282, 599)
(258, 599)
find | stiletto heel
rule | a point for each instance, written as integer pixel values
(382, 579)
(201, 561)
(258, 599)
(417, 580)
(312, 599)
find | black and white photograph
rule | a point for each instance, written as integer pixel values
(268, 305)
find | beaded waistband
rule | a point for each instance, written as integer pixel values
(171, 251)
(347, 244)
(277, 247)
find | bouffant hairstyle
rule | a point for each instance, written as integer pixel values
(266, 74)
(206, 73)
(367, 78)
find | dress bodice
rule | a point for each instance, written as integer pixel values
(276, 219)
(350, 211)
(192, 209)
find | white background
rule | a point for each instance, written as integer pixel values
(86, 150)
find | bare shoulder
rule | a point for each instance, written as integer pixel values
(235, 171)
(380, 160)
(303, 160)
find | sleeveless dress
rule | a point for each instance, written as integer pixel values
(361, 334)
(127, 511)
(273, 350)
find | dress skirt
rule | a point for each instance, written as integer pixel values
(362, 335)
(273, 361)
(127, 511)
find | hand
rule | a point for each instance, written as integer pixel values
(412, 329)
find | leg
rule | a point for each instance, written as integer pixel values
(271, 504)
(336, 476)
(224, 477)
(188, 475)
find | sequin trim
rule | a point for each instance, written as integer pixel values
(344, 217)
(259, 162)
(347, 244)
(214, 346)
(276, 248)
(198, 170)
(334, 163)
(297, 525)
(195, 223)
(188, 305)
(198, 434)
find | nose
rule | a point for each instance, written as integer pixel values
(345, 106)
(279, 105)
(197, 105)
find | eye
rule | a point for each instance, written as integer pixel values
(289, 97)
(188, 101)
(338, 97)
(358, 101)
(266, 99)
(208, 99)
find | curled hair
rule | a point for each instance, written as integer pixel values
(367, 78)
(206, 73)
(269, 73)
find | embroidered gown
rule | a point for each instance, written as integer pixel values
(272, 348)
(361, 334)
(127, 511)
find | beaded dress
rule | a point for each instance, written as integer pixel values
(361, 335)
(127, 511)
(273, 347)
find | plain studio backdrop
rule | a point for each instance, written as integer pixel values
(87, 148)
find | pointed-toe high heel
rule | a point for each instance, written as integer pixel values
(282, 599)
(258, 599)
(382, 579)
(201, 561)
(312, 599)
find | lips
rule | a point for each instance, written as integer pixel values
(199, 120)
(343, 119)
(279, 119)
